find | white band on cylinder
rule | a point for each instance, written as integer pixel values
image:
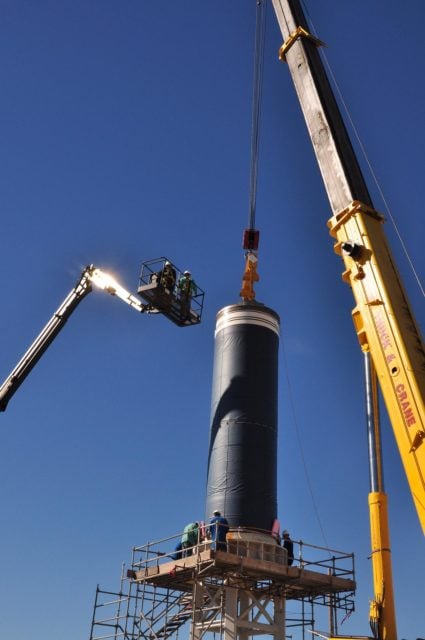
(234, 315)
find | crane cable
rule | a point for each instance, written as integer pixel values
(251, 235)
(376, 181)
(260, 31)
(299, 439)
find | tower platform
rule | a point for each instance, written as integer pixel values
(229, 594)
(301, 581)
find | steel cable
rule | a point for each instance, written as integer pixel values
(260, 30)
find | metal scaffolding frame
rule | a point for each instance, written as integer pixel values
(223, 595)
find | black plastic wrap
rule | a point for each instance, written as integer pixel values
(242, 465)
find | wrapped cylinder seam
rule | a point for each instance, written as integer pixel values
(242, 465)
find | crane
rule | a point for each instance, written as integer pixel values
(158, 285)
(384, 322)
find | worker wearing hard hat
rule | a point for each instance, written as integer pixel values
(187, 288)
(187, 283)
(168, 276)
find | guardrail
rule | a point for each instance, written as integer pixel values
(246, 543)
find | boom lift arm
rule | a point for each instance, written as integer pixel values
(91, 275)
(383, 319)
(160, 300)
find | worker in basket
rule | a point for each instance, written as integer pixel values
(168, 276)
(187, 288)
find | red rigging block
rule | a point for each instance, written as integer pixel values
(251, 239)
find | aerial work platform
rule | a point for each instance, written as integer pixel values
(170, 291)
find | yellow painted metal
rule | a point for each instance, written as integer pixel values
(382, 611)
(249, 277)
(299, 32)
(386, 327)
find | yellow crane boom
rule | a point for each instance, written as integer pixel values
(383, 320)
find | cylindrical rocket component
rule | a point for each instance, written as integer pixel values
(242, 465)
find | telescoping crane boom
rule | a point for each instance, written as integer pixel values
(162, 297)
(383, 320)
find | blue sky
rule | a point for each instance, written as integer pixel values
(125, 130)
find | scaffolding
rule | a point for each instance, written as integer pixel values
(224, 594)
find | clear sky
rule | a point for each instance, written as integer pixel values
(125, 135)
